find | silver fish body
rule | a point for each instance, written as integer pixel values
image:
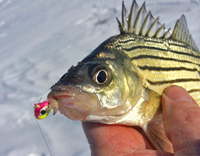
(122, 80)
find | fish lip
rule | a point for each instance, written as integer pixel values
(60, 96)
(70, 94)
(61, 91)
(71, 100)
(74, 98)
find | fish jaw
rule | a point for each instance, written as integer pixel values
(74, 103)
(79, 105)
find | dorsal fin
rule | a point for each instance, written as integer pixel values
(140, 23)
(181, 33)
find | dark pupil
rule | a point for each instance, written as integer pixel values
(101, 77)
(43, 112)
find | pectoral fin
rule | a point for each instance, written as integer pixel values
(53, 104)
(155, 132)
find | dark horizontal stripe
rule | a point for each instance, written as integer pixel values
(193, 90)
(156, 41)
(154, 48)
(166, 68)
(118, 46)
(187, 54)
(143, 47)
(160, 58)
(172, 81)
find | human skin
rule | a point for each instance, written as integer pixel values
(181, 117)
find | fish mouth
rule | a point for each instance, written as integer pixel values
(74, 103)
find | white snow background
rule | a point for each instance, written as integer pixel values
(39, 41)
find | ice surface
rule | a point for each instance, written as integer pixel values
(39, 41)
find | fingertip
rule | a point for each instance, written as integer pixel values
(174, 96)
(177, 93)
(180, 118)
(176, 99)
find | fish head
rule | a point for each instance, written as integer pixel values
(41, 110)
(95, 89)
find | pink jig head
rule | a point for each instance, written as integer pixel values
(41, 110)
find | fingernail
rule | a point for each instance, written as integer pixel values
(176, 93)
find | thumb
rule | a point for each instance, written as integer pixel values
(181, 116)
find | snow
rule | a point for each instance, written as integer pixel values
(39, 41)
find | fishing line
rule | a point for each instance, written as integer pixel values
(43, 137)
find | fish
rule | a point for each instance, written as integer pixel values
(123, 79)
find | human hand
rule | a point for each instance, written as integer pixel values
(181, 117)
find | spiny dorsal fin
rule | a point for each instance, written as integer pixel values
(181, 33)
(124, 16)
(132, 16)
(139, 22)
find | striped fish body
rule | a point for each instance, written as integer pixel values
(161, 63)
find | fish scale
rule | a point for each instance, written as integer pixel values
(123, 79)
(176, 57)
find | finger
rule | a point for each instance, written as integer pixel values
(181, 116)
(117, 140)
(112, 138)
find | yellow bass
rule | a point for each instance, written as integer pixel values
(122, 80)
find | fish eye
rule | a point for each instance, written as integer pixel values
(43, 112)
(101, 76)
